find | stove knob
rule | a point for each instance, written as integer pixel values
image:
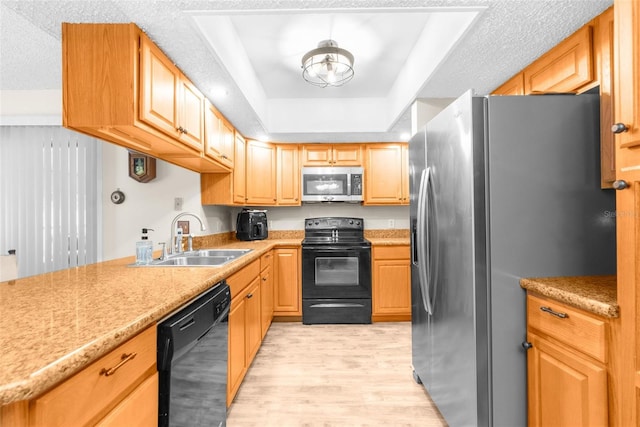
(317, 223)
(357, 222)
(351, 221)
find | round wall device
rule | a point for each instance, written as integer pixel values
(117, 197)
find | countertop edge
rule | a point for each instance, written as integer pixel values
(52, 374)
(594, 294)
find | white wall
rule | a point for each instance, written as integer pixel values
(151, 204)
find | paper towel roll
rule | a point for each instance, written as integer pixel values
(8, 267)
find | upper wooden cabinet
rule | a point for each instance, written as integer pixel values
(513, 86)
(386, 174)
(219, 136)
(261, 173)
(288, 178)
(565, 68)
(119, 87)
(168, 100)
(332, 155)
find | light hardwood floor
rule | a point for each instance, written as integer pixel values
(333, 375)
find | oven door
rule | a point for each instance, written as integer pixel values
(336, 272)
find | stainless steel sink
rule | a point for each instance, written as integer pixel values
(199, 258)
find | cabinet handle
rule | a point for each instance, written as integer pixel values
(620, 184)
(619, 128)
(527, 345)
(264, 279)
(123, 359)
(554, 313)
(249, 295)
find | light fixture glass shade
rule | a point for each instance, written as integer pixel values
(327, 65)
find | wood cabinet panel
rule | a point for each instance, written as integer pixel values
(139, 409)
(627, 112)
(387, 174)
(253, 321)
(332, 155)
(565, 68)
(579, 330)
(288, 179)
(513, 86)
(91, 394)
(219, 137)
(391, 283)
(603, 52)
(239, 187)
(236, 364)
(261, 173)
(287, 285)
(564, 389)
(266, 297)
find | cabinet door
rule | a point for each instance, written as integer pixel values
(261, 173)
(316, 155)
(288, 180)
(627, 112)
(191, 115)
(236, 366)
(253, 321)
(406, 194)
(564, 389)
(240, 170)
(384, 175)
(346, 155)
(513, 86)
(287, 292)
(266, 298)
(159, 88)
(217, 144)
(392, 287)
(603, 49)
(565, 68)
(138, 409)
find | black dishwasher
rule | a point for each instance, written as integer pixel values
(192, 361)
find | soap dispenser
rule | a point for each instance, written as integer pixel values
(144, 248)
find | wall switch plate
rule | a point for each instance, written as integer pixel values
(177, 203)
(392, 223)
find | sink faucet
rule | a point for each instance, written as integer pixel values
(177, 246)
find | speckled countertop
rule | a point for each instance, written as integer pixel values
(596, 294)
(53, 325)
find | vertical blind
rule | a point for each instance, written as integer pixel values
(49, 178)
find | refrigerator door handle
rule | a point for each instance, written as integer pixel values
(422, 231)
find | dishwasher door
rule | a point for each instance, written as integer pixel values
(192, 361)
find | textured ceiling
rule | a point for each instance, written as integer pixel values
(505, 36)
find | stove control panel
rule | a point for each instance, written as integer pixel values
(334, 223)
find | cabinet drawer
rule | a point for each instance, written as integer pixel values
(266, 260)
(139, 409)
(91, 393)
(391, 252)
(241, 279)
(579, 330)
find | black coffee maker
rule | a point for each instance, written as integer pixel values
(252, 225)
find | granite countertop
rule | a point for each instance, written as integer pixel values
(596, 294)
(391, 237)
(53, 325)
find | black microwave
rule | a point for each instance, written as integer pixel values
(332, 184)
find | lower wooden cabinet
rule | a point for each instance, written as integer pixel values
(287, 294)
(391, 283)
(566, 365)
(245, 326)
(91, 397)
(266, 291)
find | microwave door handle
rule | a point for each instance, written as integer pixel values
(349, 184)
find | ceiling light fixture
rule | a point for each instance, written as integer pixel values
(327, 65)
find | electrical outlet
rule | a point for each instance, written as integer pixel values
(392, 223)
(177, 204)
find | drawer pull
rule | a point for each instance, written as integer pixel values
(124, 359)
(555, 313)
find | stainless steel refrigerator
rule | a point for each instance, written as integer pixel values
(502, 188)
